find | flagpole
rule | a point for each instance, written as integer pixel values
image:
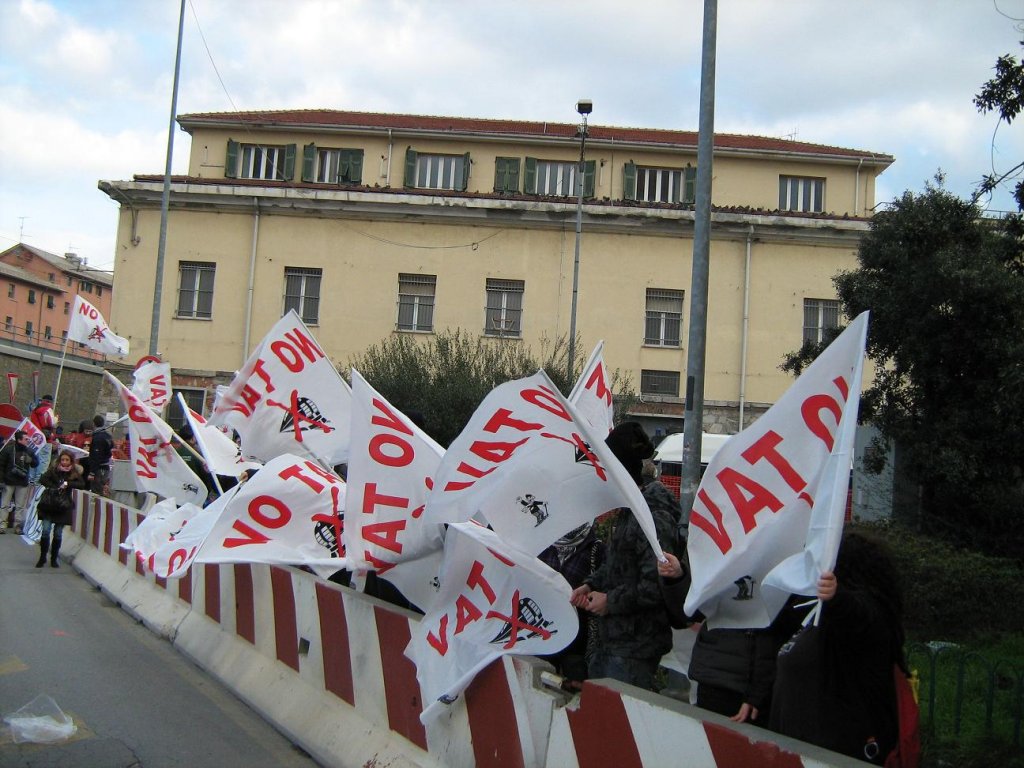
(60, 370)
(206, 461)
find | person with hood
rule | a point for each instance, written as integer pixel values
(101, 451)
(634, 631)
(56, 503)
(17, 459)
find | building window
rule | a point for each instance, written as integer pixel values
(47, 333)
(820, 315)
(99, 290)
(260, 161)
(436, 171)
(194, 399)
(10, 290)
(64, 337)
(332, 166)
(504, 307)
(416, 302)
(506, 174)
(664, 383)
(302, 293)
(67, 307)
(49, 301)
(28, 329)
(53, 277)
(799, 193)
(557, 178)
(663, 320)
(659, 185)
(9, 323)
(195, 289)
(69, 279)
(84, 286)
(31, 296)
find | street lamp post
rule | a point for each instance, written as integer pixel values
(584, 107)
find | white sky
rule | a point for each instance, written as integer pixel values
(85, 85)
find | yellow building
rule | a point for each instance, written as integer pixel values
(376, 224)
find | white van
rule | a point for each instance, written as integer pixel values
(669, 456)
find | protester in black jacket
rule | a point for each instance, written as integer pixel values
(17, 459)
(100, 454)
(56, 504)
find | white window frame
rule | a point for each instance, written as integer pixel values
(327, 162)
(557, 178)
(416, 295)
(663, 316)
(803, 194)
(192, 279)
(261, 161)
(503, 313)
(439, 171)
(820, 315)
(302, 292)
(666, 184)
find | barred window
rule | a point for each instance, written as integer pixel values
(302, 293)
(665, 383)
(663, 319)
(504, 310)
(819, 316)
(195, 289)
(416, 302)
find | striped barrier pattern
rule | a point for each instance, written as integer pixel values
(327, 666)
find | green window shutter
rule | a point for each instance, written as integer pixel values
(355, 166)
(308, 161)
(289, 161)
(589, 177)
(461, 184)
(629, 181)
(506, 174)
(231, 163)
(530, 176)
(410, 167)
(689, 184)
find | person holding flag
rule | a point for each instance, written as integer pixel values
(17, 459)
(625, 592)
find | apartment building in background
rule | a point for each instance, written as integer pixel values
(372, 224)
(37, 293)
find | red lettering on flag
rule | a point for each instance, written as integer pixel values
(715, 531)
(748, 497)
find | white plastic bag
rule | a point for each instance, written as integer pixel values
(40, 721)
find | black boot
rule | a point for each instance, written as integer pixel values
(44, 547)
(53, 553)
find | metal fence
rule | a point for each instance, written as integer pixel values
(35, 340)
(965, 694)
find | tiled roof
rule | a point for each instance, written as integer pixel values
(17, 273)
(333, 118)
(63, 263)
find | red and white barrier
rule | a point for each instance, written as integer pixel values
(326, 665)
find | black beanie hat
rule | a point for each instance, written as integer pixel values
(631, 445)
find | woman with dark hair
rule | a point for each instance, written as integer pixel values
(834, 683)
(56, 503)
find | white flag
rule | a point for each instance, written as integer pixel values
(290, 512)
(158, 467)
(534, 468)
(152, 384)
(773, 498)
(390, 470)
(592, 394)
(167, 541)
(493, 600)
(288, 398)
(88, 327)
(222, 455)
(36, 438)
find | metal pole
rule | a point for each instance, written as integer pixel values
(154, 326)
(694, 413)
(576, 260)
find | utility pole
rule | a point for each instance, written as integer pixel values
(697, 344)
(165, 199)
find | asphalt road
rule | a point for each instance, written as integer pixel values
(135, 700)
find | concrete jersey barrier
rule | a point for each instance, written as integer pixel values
(326, 665)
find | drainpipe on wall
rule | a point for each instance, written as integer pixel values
(746, 326)
(252, 279)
